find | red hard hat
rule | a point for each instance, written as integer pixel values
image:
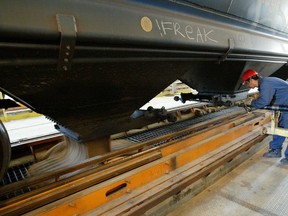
(248, 74)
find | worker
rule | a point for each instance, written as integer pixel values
(273, 91)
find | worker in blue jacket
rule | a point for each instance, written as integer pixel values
(273, 91)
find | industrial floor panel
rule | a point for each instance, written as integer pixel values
(257, 187)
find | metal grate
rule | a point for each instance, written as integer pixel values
(178, 126)
(15, 174)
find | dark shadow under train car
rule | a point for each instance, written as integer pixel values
(87, 65)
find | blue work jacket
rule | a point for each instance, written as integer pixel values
(273, 91)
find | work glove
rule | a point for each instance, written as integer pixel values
(248, 101)
(246, 104)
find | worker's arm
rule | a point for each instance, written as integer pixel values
(266, 95)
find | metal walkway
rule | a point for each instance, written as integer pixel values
(257, 187)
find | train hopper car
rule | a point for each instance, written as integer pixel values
(88, 65)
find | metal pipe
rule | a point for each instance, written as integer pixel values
(277, 108)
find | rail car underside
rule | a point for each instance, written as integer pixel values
(88, 65)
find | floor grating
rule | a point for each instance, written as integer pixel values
(178, 126)
(15, 174)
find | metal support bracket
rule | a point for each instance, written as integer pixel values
(231, 47)
(68, 30)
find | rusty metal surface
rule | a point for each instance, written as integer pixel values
(62, 189)
(169, 190)
(146, 140)
(198, 139)
(257, 186)
(122, 61)
(143, 199)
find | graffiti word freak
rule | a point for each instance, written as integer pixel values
(196, 33)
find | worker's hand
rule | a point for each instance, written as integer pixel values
(246, 104)
(248, 101)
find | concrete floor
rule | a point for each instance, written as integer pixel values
(257, 187)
